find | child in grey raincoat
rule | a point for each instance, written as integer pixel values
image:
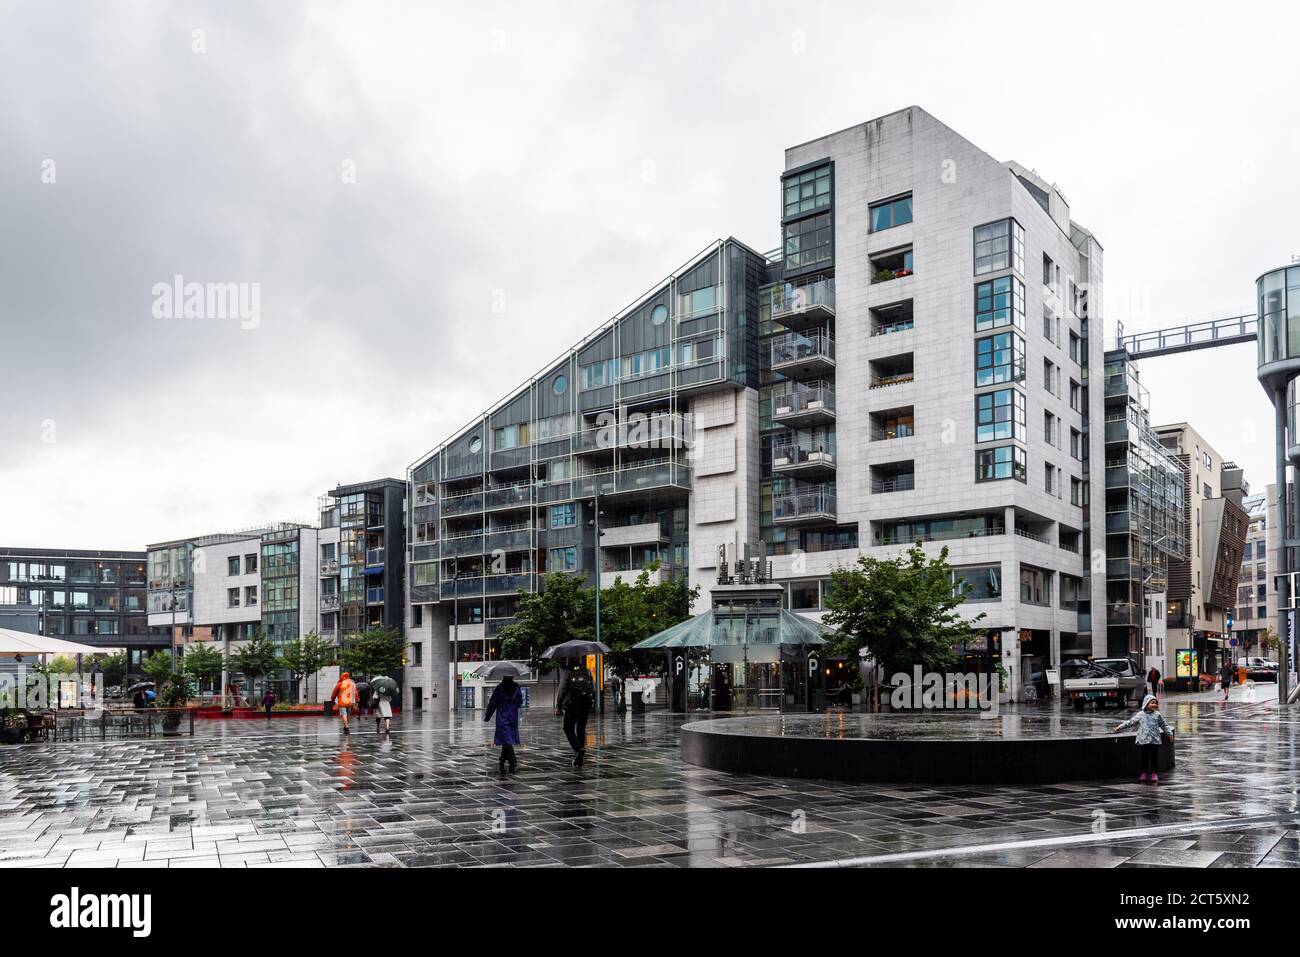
(1151, 725)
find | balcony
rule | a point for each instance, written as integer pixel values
(632, 480)
(375, 596)
(464, 587)
(463, 545)
(890, 424)
(1122, 522)
(508, 583)
(941, 535)
(509, 496)
(814, 505)
(329, 567)
(329, 602)
(462, 504)
(1122, 613)
(895, 317)
(374, 558)
(802, 357)
(891, 371)
(898, 477)
(492, 626)
(806, 306)
(811, 404)
(517, 538)
(646, 533)
(807, 457)
(888, 266)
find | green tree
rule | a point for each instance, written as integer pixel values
(112, 667)
(899, 611)
(562, 609)
(158, 667)
(257, 658)
(376, 651)
(630, 613)
(203, 662)
(306, 657)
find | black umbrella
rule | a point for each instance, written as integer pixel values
(576, 649)
(1075, 663)
(500, 669)
(139, 686)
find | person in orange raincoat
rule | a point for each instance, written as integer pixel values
(345, 697)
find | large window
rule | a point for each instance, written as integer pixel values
(1035, 586)
(597, 374)
(647, 363)
(564, 516)
(999, 415)
(977, 582)
(892, 212)
(999, 358)
(999, 245)
(562, 559)
(807, 191)
(999, 302)
(510, 437)
(1003, 462)
(808, 242)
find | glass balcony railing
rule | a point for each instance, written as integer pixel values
(462, 504)
(796, 352)
(374, 557)
(510, 496)
(463, 545)
(329, 567)
(519, 538)
(800, 306)
(802, 505)
(636, 478)
(508, 583)
(804, 403)
(903, 482)
(802, 456)
(892, 430)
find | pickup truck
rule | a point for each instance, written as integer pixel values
(1259, 669)
(1104, 681)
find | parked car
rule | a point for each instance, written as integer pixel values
(1112, 681)
(1259, 669)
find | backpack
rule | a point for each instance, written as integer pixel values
(581, 694)
(347, 695)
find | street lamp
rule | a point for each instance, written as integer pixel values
(598, 565)
(455, 634)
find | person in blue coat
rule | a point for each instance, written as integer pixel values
(505, 703)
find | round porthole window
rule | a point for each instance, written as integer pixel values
(659, 314)
(476, 445)
(560, 385)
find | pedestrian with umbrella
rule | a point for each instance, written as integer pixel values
(383, 690)
(578, 695)
(506, 700)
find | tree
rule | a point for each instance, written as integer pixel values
(306, 657)
(204, 662)
(158, 667)
(257, 658)
(1267, 642)
(112, 667)
(376, 651)
(900, 611)
(562, 609)
(632, 613)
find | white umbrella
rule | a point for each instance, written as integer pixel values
(23, 643)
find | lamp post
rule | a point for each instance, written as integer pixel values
(455, 634)
(598, 565)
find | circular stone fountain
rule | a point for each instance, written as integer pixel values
(918, 748)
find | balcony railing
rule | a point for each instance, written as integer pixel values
(803, 354)
(637, 478)
(374, 557)
(904, 482)
(517, 538)
(896, 378)
(329, 568)
(805, 403)
(803, 505)
(801, 306)
(898, 430)
(799, 457)
(463, 545)
(509, 496)
(375, 596)
(665, 431)
(1031, 535)
(329, 602)
(888, 328)
(942, 535)
(462, 504)
(508, 583)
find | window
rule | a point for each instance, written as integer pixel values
(1069, 592)
(999, 245)
(564, 516)
(1076, 396)
(647, 363)
(807, 191)
(250, 595)
(1003, 462)
(977, 582)
(893, 212)
(1049, 321)
(1208, 493)
(999, 415)
(1076, 492)
(1047, 270)
(808, 242)
(232, 565)
(510, 437)
(999, 302)
(1076, 444)
(417, 653)
(1049, 376)
(1049, 428)
(562, 559)
(417, 616)
(999, 358)
(1245, 555)
(1035, 587)
(1074, 347)
(250, 563)
(1049, 478)
(232, 597)
(594, 375)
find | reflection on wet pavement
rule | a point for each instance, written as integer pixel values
(295, 794)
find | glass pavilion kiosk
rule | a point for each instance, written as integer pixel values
(747, 653)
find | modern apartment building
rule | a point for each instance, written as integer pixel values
(1256, 588)
(92, 597)
(912, 364)
(361, 558)
(1203, 586)
(1144, 487)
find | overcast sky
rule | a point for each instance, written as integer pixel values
(434, 200)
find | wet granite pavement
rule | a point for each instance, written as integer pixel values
(293, 793)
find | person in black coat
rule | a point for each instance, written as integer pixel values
(575, 703)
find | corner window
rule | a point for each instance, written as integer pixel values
(806, 192)
(999, 245)
(1003, 462)
(891, 213)
(808, 242)
(999, 415)
(999, 302)
(999, 358)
